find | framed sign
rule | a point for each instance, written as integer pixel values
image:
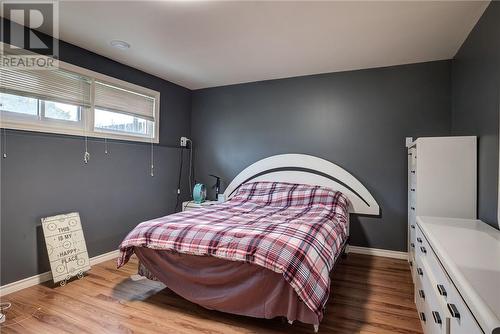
(66, 246)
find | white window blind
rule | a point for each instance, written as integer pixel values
(53, 85)
(116, 99)
(76, 101)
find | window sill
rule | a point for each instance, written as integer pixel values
(5, 124)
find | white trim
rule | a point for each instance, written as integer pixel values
(268, 169)
(104, 257)
(377, 252)
(72, 132)
(47, 276)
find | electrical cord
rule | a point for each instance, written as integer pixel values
(181, 158)
(191, 172)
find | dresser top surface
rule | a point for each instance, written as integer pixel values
(470, 252)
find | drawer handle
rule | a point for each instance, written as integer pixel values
(413, 172)
(413, 208)
(422, 316)
(412, 245)
(411, 263)
(437, 317)
(419, 240)
(442, 290)
(412, 226)
(421, 293)
(412, 189)
(420, 271)
(453, 311)
(423, 250)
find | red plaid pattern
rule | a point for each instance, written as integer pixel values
(293, 229)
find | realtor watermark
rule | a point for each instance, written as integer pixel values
(30, 32)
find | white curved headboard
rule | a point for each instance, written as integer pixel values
(307, 169)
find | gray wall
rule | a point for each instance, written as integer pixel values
(45, 175)
(357, 119)
(475, 103)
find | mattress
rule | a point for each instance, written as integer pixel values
(296, 231)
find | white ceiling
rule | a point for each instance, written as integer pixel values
(200, 44)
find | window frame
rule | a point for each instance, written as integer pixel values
(85, 127)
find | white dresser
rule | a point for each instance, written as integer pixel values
(441, 181)
(457, 285)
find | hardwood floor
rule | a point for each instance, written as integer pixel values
(369, 295)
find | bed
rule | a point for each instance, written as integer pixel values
(272, 244)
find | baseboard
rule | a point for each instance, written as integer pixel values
(47, 276)
(377, 252)
(104, 257)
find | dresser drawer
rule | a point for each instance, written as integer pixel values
(461, 319)
(412, 238)
(411, 248)
(432, 306)
(413, 267)
(412, 219)
(424, 250)
(422, 301)
(440, 294)
(412, 158)
(419, 295)
(434, 322)
(412, 195)
(418, 286)
(412, 183)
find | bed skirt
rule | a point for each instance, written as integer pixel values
(227, 286)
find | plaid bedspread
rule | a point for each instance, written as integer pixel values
(293, 229)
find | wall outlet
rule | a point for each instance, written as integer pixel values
(184, 141)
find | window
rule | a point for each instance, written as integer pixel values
(15, 106)
(121, 110)
(18, 104)
(72, 100)
(121, 123)
(61, 111)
